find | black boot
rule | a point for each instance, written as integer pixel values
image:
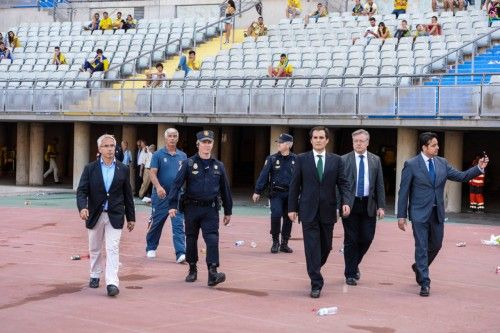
(215, 278)
(276, 244)
(284, 246)
(193, 273)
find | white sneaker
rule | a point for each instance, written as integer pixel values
(151, 254)
(182, 259)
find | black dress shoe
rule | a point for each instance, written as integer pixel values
(351, 281)
(417, 274)
(275, 248)
(94, 283)
(113, 290)
(425, 291)
(315, 293)
(358, 275)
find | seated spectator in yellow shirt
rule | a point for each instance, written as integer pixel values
(13, 40)
(400, 7)
(99, 64)
(106, 22)
(189, 64)
(320, 11)
(383, 32)
(58, 58)
(293, 9)
(284, 69)
(130, 23)
(155, 79)
(118, 22)
(256, 29)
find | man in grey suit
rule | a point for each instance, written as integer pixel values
(421, 199)
(363, 171)
(313, 200)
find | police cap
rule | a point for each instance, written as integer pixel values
(205, 135)
(285, 138)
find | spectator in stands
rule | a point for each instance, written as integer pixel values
(130, 23)
(99, 64)
(4, 52)
(106, 22)
(256, 29)
(372, 30)
(370, 8)
(190, 64)
(421, 31)
(3, 39)
(403, 31)
(230, 10)
(119, 21)
(94, 25)
(284, 68)
(293, 9)
(434, 27)
(155, 80)
(357, 10)
(58, 58)
(383, 32)
(400, 7)
(493, 10)
(321, 11)
(13, 40)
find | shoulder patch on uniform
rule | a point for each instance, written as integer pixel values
(190, 162)
(265, 162)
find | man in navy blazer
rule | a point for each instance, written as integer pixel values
(313, 199)
(421, 199)
(104, 196)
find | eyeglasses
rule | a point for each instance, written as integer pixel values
(108, 146)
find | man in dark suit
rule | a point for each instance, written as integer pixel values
(421, 199)
(104, 197)
(363, 170)
(312, 198)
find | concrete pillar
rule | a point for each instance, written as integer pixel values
(160, 141)
(129, 134)
(453, 152)
(22, 153)
(407, 148)
(260, 151)
(275, 133)
(36, 154)
(81, 150)
(217, 142)
(300, 140)
(226, 153)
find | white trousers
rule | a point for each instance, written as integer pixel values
(103, 230)
(52, 168)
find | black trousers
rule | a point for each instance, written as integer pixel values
(359, 230)
(279, 210)
(428, 241)
(206, 219)
(138, 180)
(317, 245)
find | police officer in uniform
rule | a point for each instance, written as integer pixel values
(277, 174)
(206, 184)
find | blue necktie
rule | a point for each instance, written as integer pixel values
(432, 172)
(361, 178)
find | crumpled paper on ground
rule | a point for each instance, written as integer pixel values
(494, 240)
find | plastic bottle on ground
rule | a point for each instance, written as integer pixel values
(253, 244)
(77, 257)
(327, 311)
(239, 243)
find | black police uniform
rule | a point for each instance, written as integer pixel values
(277, 174)
(206, 182)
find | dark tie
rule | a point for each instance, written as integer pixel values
(432, 172)
(319, 167)
(361, 178)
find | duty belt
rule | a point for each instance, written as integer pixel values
(200, 203)
(280, 188)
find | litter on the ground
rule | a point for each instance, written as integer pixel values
(253, 244)
(327, 311)
(239, 243)
(494, 240)
(461, 244)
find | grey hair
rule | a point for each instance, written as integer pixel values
(105, 136)
(171, 130)
(361, 131)
(290, 144)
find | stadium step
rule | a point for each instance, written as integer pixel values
(203, 50)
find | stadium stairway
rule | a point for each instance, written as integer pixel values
(488, 62)
(203, 50)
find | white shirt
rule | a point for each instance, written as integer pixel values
(366, 189)
(142, 157)
(372, 29)
(316, 158)
(426, 160)
(147, 159)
